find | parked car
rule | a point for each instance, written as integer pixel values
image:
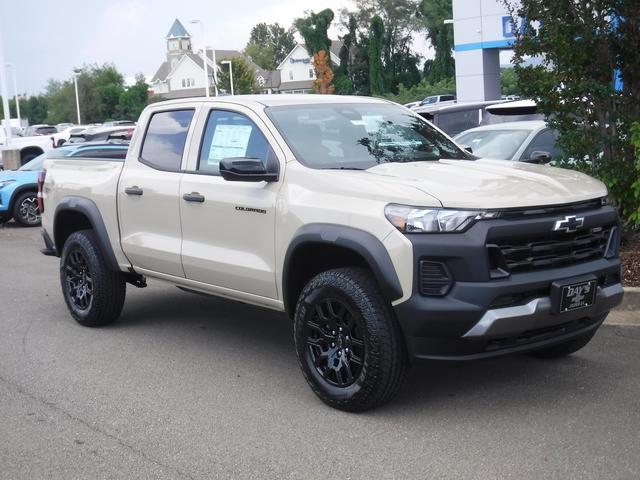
(37, 130)
(435, 99)
(19, 188)
(61, 127)
(102, 133)
(530, 141)
(119, 123)
(381, 238)
(455, 118)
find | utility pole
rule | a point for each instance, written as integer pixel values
(5, 95)
(75, 83)
(15, 92)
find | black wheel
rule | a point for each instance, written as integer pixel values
(94, 293)
(348, 342)
(25, 209)
(565, 348)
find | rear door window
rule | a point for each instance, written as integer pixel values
(164, 141)
(545, 141)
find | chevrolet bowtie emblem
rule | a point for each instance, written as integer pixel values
(569, 224)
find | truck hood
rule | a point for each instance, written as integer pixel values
(493, 183)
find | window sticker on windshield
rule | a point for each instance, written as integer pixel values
(371, 123)
(229, 141)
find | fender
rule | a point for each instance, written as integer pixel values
(91, 211)
(364, 243)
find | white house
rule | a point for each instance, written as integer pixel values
(181, 74)
(296, 70)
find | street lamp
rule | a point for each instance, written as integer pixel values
(204, 61)
(228, 62)
(15, 92)
(75, 83)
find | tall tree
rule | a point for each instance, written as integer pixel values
(133, 100)
(244, 79)
(400, 21)
(313, 29)
(433, 14)
(323, 83)
(580, 46)
(376, 46)
(269, 44)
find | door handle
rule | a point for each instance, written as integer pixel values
(135, 190)
(193, 197)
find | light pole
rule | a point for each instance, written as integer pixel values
(75, 84)
(228, 62)
(15, 92)
(3, 92)
(204, 59)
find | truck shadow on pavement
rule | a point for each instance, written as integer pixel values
(514, 382)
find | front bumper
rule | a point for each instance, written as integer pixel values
(474, 321)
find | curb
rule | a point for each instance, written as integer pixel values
(631, 300)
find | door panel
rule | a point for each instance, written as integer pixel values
(148, 195)
(228, 236)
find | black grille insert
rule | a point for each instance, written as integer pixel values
(551, 249)
(435, 279)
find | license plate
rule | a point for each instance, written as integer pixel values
(578, 295)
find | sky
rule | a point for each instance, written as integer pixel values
(45, 39)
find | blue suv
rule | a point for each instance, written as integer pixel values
(19, 188)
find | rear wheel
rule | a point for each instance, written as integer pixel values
(94, 294)
(348, 343)
(25, 209)
(565, 348)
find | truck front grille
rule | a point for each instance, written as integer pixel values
(551, 250)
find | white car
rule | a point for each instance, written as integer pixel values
(530, 141)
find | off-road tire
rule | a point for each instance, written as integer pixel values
(28, 220)
(384, 363)
(108, 287)
(565, 348)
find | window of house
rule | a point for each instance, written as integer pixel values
(230, 135)
(184, 83)
(311, 73)
(165, 138)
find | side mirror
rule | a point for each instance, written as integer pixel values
(467, 148)
(245, 170)
(538, 157)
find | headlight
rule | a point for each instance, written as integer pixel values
(433, 220)
(4, 183)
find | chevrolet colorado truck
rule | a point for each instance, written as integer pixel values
(382, 240)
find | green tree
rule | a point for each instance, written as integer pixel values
(269, 44)
(422, 90)
(244, 79)
(376, 45)
(579, 46)
(400, 19)
(433, 14)
(509, 82)
(313, 29)
(133, 100)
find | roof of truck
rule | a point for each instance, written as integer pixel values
(279, 100)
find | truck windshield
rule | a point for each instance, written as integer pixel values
(360, 136)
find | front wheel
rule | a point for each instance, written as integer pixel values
(349, 346)
(25, 210)
(94, 294)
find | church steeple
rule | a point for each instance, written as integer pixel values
(178, 42)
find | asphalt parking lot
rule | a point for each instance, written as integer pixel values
(187, 386)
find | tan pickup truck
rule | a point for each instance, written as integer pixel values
(383, 240)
